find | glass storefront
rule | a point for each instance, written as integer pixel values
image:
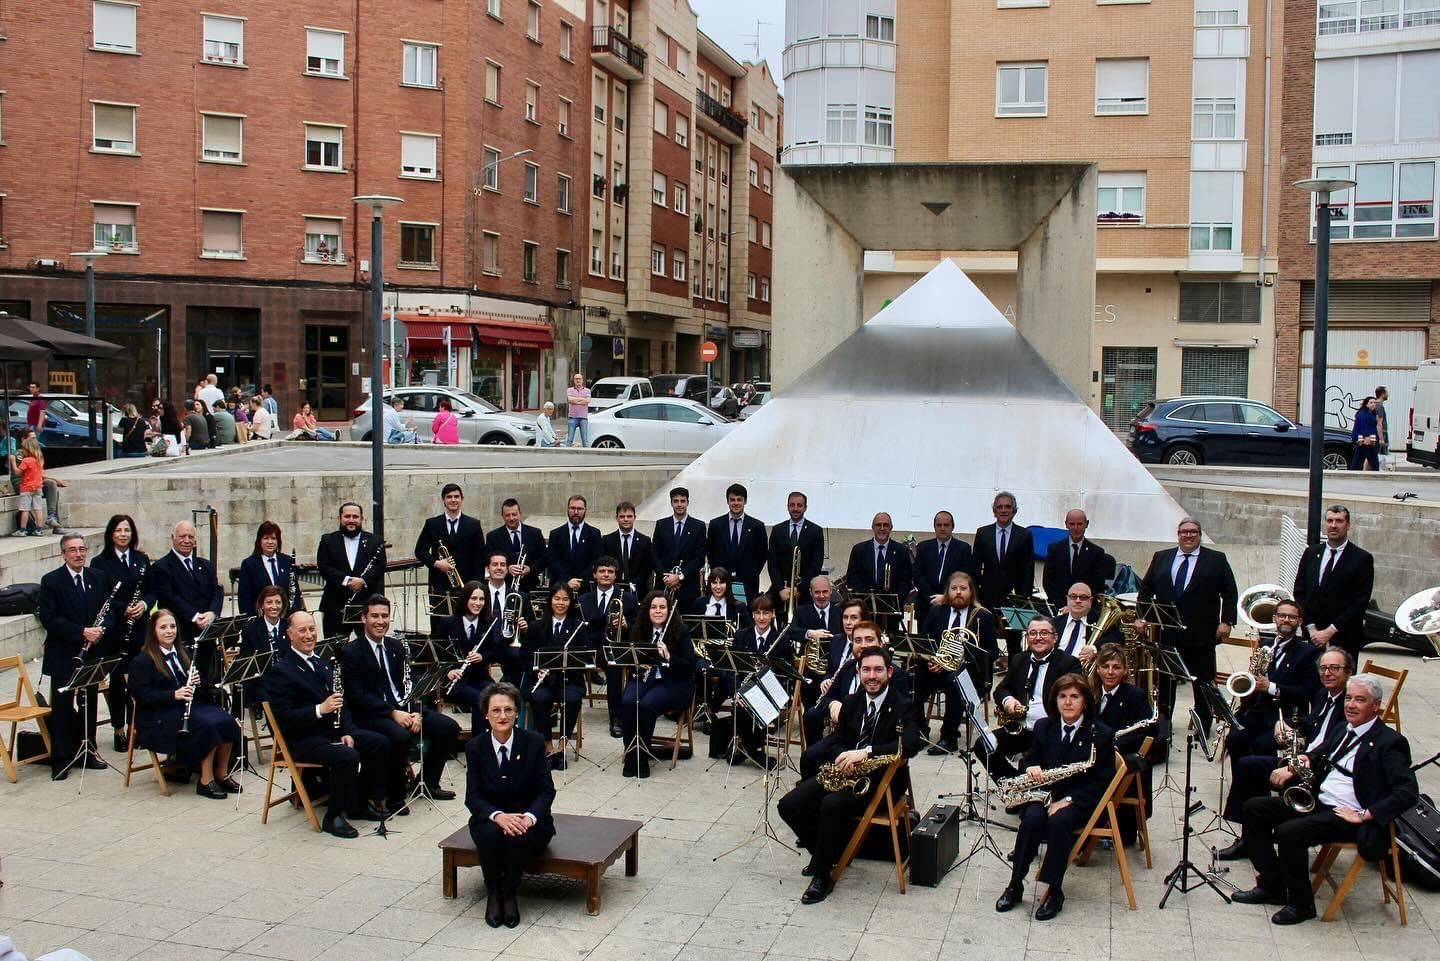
(139, 374)
(487, 374)
(224, 341)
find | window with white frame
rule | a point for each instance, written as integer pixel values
(695, 274)
(115, 227)
(617, 257)
(682, 199)
(840, 123)
(223, 39)
(532, 184)
(323, 147)
(1217, 13)
(750, 285)
(677, 265)
(1020, 89)
(1384, 99)
(562, 193)
(532, 102)
(1122, 86)
(752, 232)
(765, 179)
(490, 253)
(1394, 200)
(662, 119)
(490, 169)
(1368, 16)
(419, 155)
(879, 124)
(682, 61)
(1213, 118)
(710, 158)
(114, 128)
(710, 223)
(754, 173)
(562, 267)
(765, 290)
(682, 130)
(492, 81)
(492, 7)
(567, 35)
(529, 272)
(597, 253)
(220, 234)
(113, 26)
(619, 111)
(657, 260)
(420, 62)
(658, 186)
(1120, 198)
(1212, 210)
(723, 285)
(324, 52)
(532, 21)
(598, 98)
(417, 244)
(562, 122)
(879, 28)
(222, 138)
(764, 233)
(322, 240)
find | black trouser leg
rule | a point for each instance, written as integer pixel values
(1296, 837)
(1006, 744)
(440, 734)
(1059, 838)
(1249, 778)
(117, 697)
(813, 722)
(542, 704)
(398, 740)
(799, 809)
(343, 764)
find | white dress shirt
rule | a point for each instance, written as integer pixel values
(1338, 788)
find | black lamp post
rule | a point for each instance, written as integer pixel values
(89, 257)
(377, 203)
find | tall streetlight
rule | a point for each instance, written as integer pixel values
(1322, 188)
(377, 203)
(89, 256)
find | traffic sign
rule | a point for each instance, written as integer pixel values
(709, 353)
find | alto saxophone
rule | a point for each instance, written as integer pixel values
(1023, 789)
(859, 780)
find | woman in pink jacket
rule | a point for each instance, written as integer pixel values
(445, 428)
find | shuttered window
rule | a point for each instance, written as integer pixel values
(114, 128)
(1215, 370)
(1368, 301)
(222, 138)
(417, 155)
(1219, 303)
(1128, 383)
(220, 233)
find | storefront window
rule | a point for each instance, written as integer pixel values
(487, 374)
(224, 341)
(137, 375)
(525, 384)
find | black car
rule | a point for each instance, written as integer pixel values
(1227, 430)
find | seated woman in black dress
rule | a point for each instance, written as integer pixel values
(665, 686)
(562, 623)
(509, 791)
(160, 685)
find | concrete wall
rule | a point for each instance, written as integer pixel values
(1056, 283)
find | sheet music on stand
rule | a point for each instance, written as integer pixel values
(765, 697)
(422, 650)
(636, 657)
(1170, 664)
(246, 668)
(1163, 615)
(884, 607)
(222, 631)
(91, 674)
(564, 659)
(974, 707)
(906, 646)
(1020, 609)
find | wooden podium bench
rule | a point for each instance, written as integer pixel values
(583, 847)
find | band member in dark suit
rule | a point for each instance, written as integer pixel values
(574, 547)
(632, 551)
(464, 539)
(784, 538)
(264, 632)
(509, 790)
(1004, 561)
(1199, 582)
(1074, 624)
(880, 564)
(1361, 782)
(935, 560)
(719, 600)
(821, 620)
(318, 728)
(1123, 707)
(352, 563)
(374, 670)
(1024, 693)
(835, 689)
(665, 686)
(679, 543)
(562, 625)
(1067, 734)
(186, 585)
(1076, 558)
(473, 636)
(267, 565)
(594, 608)
(1287, 687)
(161, 681)
(122, 561)
(514, 538)
(68, 611)
(749, 734)
(736, 542)
(1333, 585)
(499, 585)
(1250, 775)
(875, 721)
(960, 611)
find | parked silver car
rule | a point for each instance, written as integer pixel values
(481, 422)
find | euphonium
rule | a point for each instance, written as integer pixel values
(816, 656)
(1023, 789)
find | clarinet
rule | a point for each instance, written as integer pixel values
(135, 598)
(99, 622)
(364, 573)
(338, 689)
(192, 680)
(293, 589)
(406, 685)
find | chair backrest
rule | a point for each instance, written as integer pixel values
(1390, 713)
(1120, 772)
(24, 690)
(279, 749)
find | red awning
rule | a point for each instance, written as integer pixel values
(430, 334)
(499, 334)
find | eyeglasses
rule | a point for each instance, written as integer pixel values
(1189, 532)
(1327, 668)
(1042, 632)
(1079, 597)
(502, 711)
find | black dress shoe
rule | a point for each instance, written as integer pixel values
(340, 827)
(230, 785)
(399, 808)
(512, 918)
(1013, 894)
(122, 741)
(946, 745)
(1292, 915)
(615, 729)
(557, 761)
(819, 889)
(437, 793)
(629, 769)
(370, 812)
(212, 790)
(644, 768)
(60, 775)
(492, 919)
(807, 870)
(94, 763)
(1051, 904)
(176, 774)
(1232, 852)
(1258, 895)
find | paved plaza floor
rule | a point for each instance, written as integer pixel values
(125, 873)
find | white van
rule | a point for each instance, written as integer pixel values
(1423, 447)
(609, 391)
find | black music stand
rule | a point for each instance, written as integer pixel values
(708, 630)
(240, 671)
(563, 661)
(634, 658)
(1185, 876)
(756, 695)
(539, 603)
(330, 646)
(442, 605)
(884, 607)
(428, 681)
(738, 664)
(86, 681)
(907, 647)
(1171, 666)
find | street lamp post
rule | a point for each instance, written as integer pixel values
(89, 257)
(1322, 188)
(377, 203)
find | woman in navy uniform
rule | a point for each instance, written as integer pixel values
(471, 627)
(550, 633)
(664, 686)
(124, 563)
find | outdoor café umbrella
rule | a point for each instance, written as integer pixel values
(15, 350)
(59, 343)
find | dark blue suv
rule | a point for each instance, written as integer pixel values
(1227, 430)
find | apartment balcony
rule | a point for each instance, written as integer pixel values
(613, 50)
(717, 120)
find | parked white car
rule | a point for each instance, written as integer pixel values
(659, 423)
(481, 422)
(609, 392)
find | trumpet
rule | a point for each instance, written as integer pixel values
(453, 575)
(670, 592)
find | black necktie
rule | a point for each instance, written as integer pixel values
(735, 536)
(1329, 565)
(314, 663)
(1074, 556)
(504, 761)
(794, 534)
(274, 572)
(574, 540)
(867, 731)
(679, 526)
(1069, 734)
(1072, 644)
(80, 586)
(189, 566)
(879, 566)
(274, 636)
(604, 601)
(1182, 574)
(1004, 540)
(1343, 748)
(943, 545)
(625, 553)
(175, 670)
(496, 605)
(125, 560)
(515, 541)
(1104, 702)
(454, 528)
(471, 633)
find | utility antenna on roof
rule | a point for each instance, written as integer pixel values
(753, 39)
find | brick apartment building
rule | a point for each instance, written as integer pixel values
(212, 151)
(1359, 104)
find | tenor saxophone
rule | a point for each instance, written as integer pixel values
(1022, 789)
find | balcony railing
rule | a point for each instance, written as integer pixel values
(719, 113)
(609, 41)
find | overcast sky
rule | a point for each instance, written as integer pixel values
(731, 24)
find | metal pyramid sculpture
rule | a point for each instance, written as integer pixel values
(937, 402)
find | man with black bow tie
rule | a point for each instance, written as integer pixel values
(1024, 691)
